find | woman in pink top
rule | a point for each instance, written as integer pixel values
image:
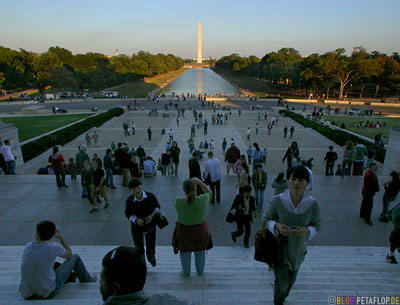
(56, 161)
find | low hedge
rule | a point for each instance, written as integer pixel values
(337, 136)
(35, 148)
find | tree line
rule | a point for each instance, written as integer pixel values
(330, 74)
(62, 70)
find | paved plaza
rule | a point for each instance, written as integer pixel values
(26, 199)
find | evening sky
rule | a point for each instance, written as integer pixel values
(229, 26)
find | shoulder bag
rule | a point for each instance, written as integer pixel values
(266, 247)
(161, 221)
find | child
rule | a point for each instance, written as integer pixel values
(212, 144)
(72, 168)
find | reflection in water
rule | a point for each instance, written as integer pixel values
(199, 81)
(205, 81)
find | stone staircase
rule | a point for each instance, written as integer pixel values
(232, 277)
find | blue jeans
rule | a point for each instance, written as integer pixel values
(346, 167)
(199, 259)
(10, 167)
(62, 273)
(259, 198)
(109, 177)
(284, 280)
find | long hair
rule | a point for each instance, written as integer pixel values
(349, 145)
(245, 167)
(256, 146)
(189, 190)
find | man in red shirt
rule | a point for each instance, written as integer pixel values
(370, 187)
(56, 161)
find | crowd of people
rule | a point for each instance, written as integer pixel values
(292, 216)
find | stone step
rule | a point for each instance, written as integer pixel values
(231, 277)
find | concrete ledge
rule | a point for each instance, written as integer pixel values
(31, 110)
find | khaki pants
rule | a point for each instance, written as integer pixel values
(102, 192)
(125, 176)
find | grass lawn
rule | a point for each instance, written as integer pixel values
(33, 126)
(367, 132)
(141, 89)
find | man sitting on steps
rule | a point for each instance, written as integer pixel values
(38, 279)
(123, 277)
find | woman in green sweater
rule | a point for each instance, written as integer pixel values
(295, 216)
(191, 233)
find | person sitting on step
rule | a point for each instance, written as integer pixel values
(123, 276)
(38, 278)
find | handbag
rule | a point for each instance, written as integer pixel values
(230, 218)
(267, 247)
(161, 221)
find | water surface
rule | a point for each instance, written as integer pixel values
(196, 80)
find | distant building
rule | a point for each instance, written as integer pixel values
(117, 54)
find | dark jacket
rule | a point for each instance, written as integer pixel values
(371, 185)
(141, 209)
(194, 169)
(393, 188)
(125, 160)
(2, 162)
(232, 154)
(140, 152)
(239, 206)
(290, 153)
(165, 159)
(175, 151)
(254, 180)
(80, 158)
(108, 163)
(118, 153)
(87, 176)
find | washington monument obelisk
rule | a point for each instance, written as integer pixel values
(199, 45)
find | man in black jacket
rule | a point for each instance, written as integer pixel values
(194, 167)
(126, 164)
(118, 152)
(141, 154)
(245, 208)
(108, 167)
(140, 209)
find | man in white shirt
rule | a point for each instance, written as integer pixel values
(8, 157)
(248, 133)
(38, 279)
(213, 169)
